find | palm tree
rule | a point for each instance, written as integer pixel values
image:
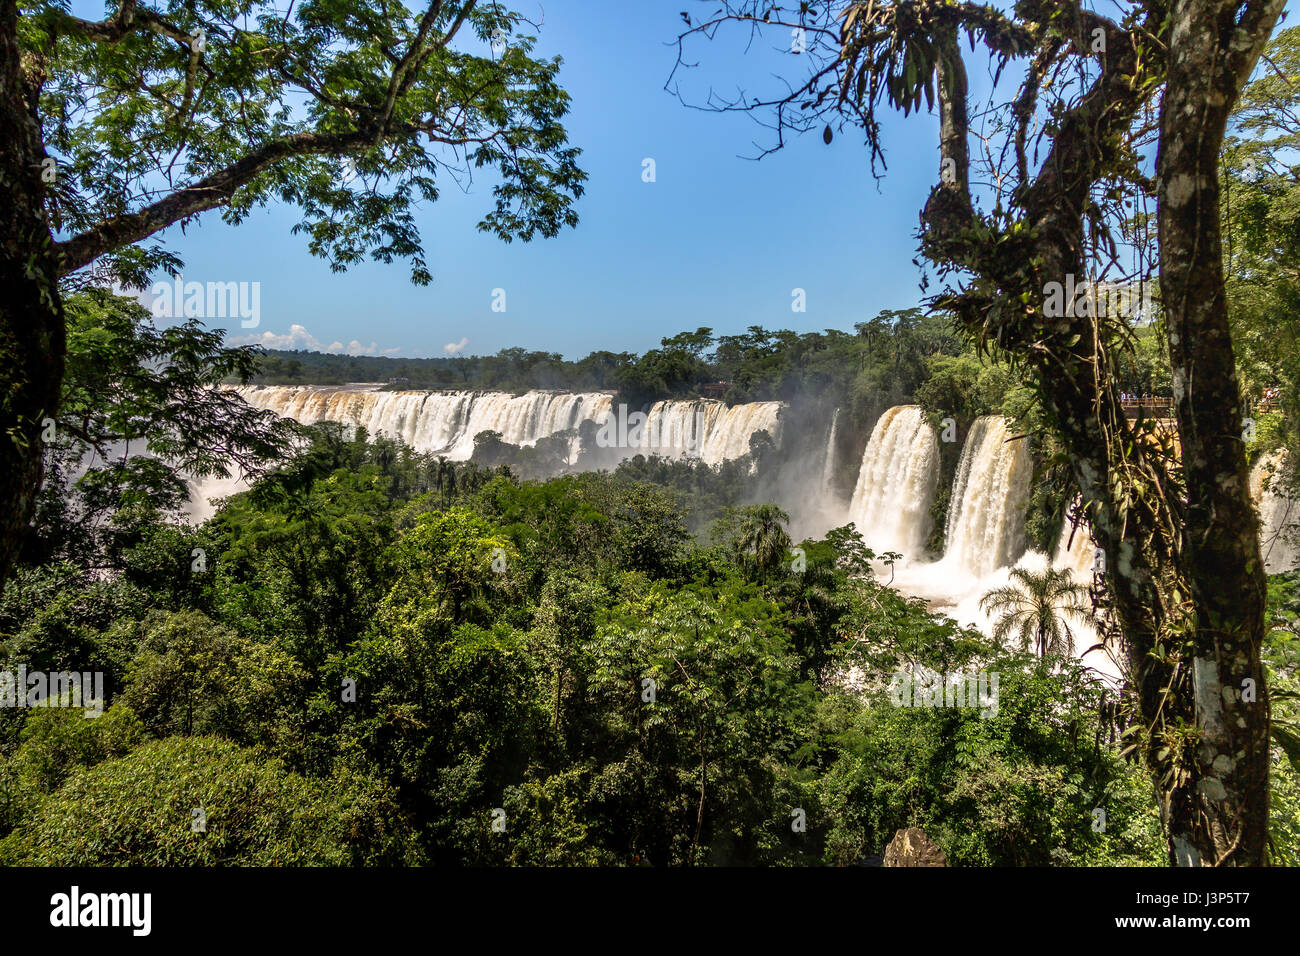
(1037, 606)
(762, 539)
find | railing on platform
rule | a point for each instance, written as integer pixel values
(1149, 407)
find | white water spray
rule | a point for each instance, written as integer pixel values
(1075, 551)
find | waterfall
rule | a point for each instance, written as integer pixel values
(986, 519)
(445, 423)
(729, 437)
(1279, 514)
(678, 427)
(828, 462)
(1078, 555)
(896, 482)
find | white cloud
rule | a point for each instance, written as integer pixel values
(299, 338)
(451, 348)
(356, 348)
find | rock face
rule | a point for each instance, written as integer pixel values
(911, 847)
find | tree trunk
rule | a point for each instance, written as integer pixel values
(31, 310)
(1216, 793)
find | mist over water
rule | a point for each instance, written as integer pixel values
(203, 491)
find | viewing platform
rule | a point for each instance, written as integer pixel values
(1149, 407)
(1162, 408)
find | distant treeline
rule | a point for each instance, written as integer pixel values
(897, 357)
(882, 360)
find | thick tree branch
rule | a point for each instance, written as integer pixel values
(1258, 20)
(128, 19)
(405, 70)
(208, 193)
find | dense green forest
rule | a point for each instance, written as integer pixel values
(380, 655)
(377, 656)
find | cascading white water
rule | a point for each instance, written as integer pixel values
(729, 437)
(1075, 551)
(445, 423)
(896, 483)
(828, 463)
(677, 427)
(986, 520)
(986, 517)
(1279, 515)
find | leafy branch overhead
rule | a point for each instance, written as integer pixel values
(354, 113)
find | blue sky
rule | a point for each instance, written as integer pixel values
(717, 240)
